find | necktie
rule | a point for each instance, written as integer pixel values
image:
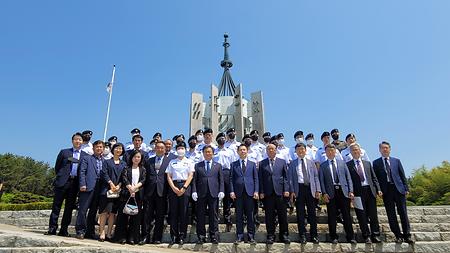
(305, 173)
(243, 166)
(74, 170)
(207, 167)
(388, 169)
(335, 175)
(360, 171)
(158, 164)
(271, 164)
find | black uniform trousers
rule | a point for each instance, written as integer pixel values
(343, 203)
(178, 212)
(305, 199)
(69, 193)
(368, 214)
(154, 210)
(276, 205)
(392, 199)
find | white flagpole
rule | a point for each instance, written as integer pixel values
(111, 85)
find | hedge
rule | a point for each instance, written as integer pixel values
(27, 206)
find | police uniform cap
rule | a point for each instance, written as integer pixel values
(245, 137)
(87, 132)
(334, 131)
(135, 131)
(200, 131)
(208, 131)
(254, 131)
(298, 133)
(231, 130)
(309, 136)
(180, 145)
(175, 137)
(192, 138)
(324, 134)
(280, 135)
(157, 134)
(220, 135)
(267, 134)
(349, 136)
(113, 138)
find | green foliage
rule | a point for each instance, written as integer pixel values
(23, 174)
(23, 198)
(431, 187)
(28, 206)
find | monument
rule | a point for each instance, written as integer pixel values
(227, 107)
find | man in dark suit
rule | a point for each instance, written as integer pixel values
(337, 189)
(208, 189)
(273, 189)
(365, 186)
(89, 179)
(66, 185)
(305, 189)
(244, 188)
(137, 145)
(391, 176)
(155, 194)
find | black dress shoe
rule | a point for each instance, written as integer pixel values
(80, 236)
(352, 241)
(398, 240)
(408, 240)
(214, 240)
(156, 242)
(131, 242)
(181, 242)
(122, 241)
(286, 241)
(367, 241)
(142, 242)
(89, 236)
(376, 239)
(50, 232)
(252, 241)
(269, 241)
(315, 240)
(201, 240)
(228, 227)
(101, 239)
(334, 241)
(303, 240)
(238, 241)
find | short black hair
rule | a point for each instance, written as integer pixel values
(300, 145)
(330, 146)
(137, 136)
(98, 142)
(77, 134)
(242, 145)
(207, 147)
(116, 146)
(384, 143)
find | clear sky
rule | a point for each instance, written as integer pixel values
(380, 69)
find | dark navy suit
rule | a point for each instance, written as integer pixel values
(65, 188)
(339, 196)
(244, 185)
(207, 185)
(394, 194)
(273, 182)
(89, 177)
(155, 197)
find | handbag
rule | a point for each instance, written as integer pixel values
(112, 195)
(131, 209)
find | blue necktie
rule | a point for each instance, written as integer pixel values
(207, 167)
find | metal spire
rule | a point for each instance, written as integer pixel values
(227, 87)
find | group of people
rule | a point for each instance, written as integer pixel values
(134, 186)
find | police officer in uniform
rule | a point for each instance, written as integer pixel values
(179, 176)
(231, 143)
(130, 146)
(266, 137)
(256, 145)
(298, 137)
(192, 152)
(87, 145)
(340, 145)
(311, 150)
(321, 154)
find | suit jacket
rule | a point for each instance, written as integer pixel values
(88, 174)
(127, 178)
(370, 176)
(208, 183)
(326, 179)
(273, 182)
(240, 182)
(397, 173)
(63, 166)
(111, 171)
(156, 182)
(127, 154)
(314, 181)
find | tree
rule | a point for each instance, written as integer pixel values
(431, 187)
(24, 174)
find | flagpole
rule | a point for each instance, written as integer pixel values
(111, 85)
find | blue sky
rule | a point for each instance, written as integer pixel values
(380, 69)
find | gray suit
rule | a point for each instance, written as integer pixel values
(313, 176)
(326, 179)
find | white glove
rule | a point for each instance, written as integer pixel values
(194, 196)
(221, 195)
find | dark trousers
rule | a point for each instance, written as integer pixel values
(178, 208)
(68, 193)
(226, 200)
(368, 214)
(274, 204)
(343, 203)
(392, 199)
(245, 204)
(213, 206)
(128, 226)
(154, 210)
(87, 200)
(305, 199)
